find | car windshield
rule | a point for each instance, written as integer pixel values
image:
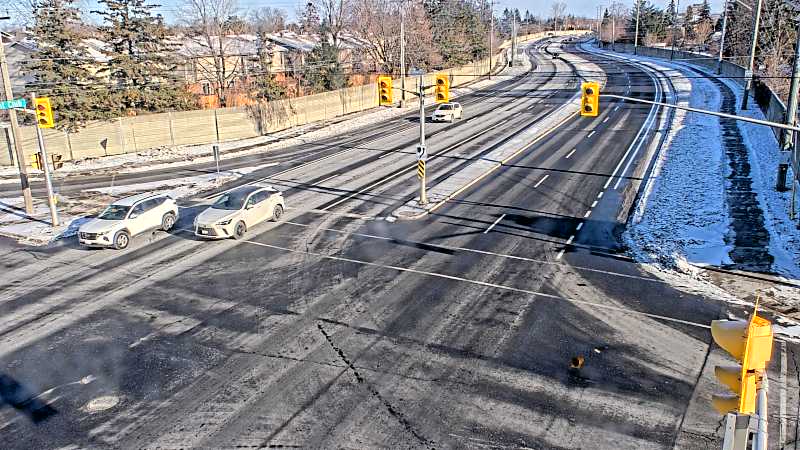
(445, 107)
(114, 212)
(231, 201)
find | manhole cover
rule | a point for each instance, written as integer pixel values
(102, 403)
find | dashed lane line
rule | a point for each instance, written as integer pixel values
(541, 181)
(570, 153)
(494, 224)
(590, 134)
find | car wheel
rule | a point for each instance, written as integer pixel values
(121, 240)
(168, 221)
(277, 213)
(239, 230)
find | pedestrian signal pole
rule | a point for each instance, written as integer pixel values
(44, 119)
(422, 154)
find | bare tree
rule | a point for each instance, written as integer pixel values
(558, 8)
(212, 47)
(267, 20)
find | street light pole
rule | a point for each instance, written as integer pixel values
(491, 38)
(402, 55)
(15, 132)
(722, 37)
(636, 37)
(751, 66)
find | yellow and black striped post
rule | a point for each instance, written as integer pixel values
(421, 169)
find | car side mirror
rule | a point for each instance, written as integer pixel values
(249, 206)
(133, 215)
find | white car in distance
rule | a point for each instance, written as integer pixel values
(238, 210)
(448, 112)
(127, 217)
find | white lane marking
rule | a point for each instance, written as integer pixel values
(594, 203)
(571, 238)
(782, 411)
(616, 108)
(590, 134)
(571, 153)
(530, 107)
(385, 155)
(587, 214)
(600, 195)
(502, 122)
(560, 254)
(495, 223)
(469, 250)
(541, 181)
(480, 283)
(580, 225)
(329, 178)
(605, 120)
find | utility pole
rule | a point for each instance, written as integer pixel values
(722, 38)
(636, 37)
(513, 39)
(787, 137)
(674, 27)
(51, 200)
(15, 132)
(613, 29)
(751, 66)
(402, 54)
(422, 153)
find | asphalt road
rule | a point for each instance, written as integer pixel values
(509, 318)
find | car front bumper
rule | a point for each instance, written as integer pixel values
(444, 118)
(213, 231)
(95, 239)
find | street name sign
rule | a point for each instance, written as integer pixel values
(11, 104)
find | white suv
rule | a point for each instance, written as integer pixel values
(237, 210)
(128, 217)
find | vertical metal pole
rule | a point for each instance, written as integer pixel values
(613, 30)
(791, 110)
(15, 132)
(513, 39)
(423, 196)
(636, 38)
(674, 27)
(760, 436)
(402, 54)
(749, 83)
(51, 200)
(722, 38)
(491, 38)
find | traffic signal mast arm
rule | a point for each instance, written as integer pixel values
(703, 111)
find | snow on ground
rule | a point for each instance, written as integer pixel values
(681, 220)
(73, 212)
(176, 156)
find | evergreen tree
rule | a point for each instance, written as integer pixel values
(267, 87)
(309, 19)
(669, 14)
(323, 71)
(60, 66)
(705, 12)
(139, 66)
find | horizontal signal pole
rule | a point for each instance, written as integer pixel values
(703, 111)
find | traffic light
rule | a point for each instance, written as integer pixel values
(44, 113)
(750, 343)
(442, 90)
(56, 159)
(590, 99)
(385, 90)
(36, 161)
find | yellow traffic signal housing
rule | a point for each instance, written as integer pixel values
(590, 99)
(749, 342)
(44, 112)
(36, 161)
(385, 90)
(442, 89)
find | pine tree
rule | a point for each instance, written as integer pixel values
(61, 66)
(139, 66)
(309, 19)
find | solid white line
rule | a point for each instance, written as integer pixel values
(329, 178)
(594, 204)
(590, 134)
(480, 283)
(580, 225)
(587, 213)
(541, 181)
(782, 405)
(495, 223)
(571, 238)
(570, 153)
